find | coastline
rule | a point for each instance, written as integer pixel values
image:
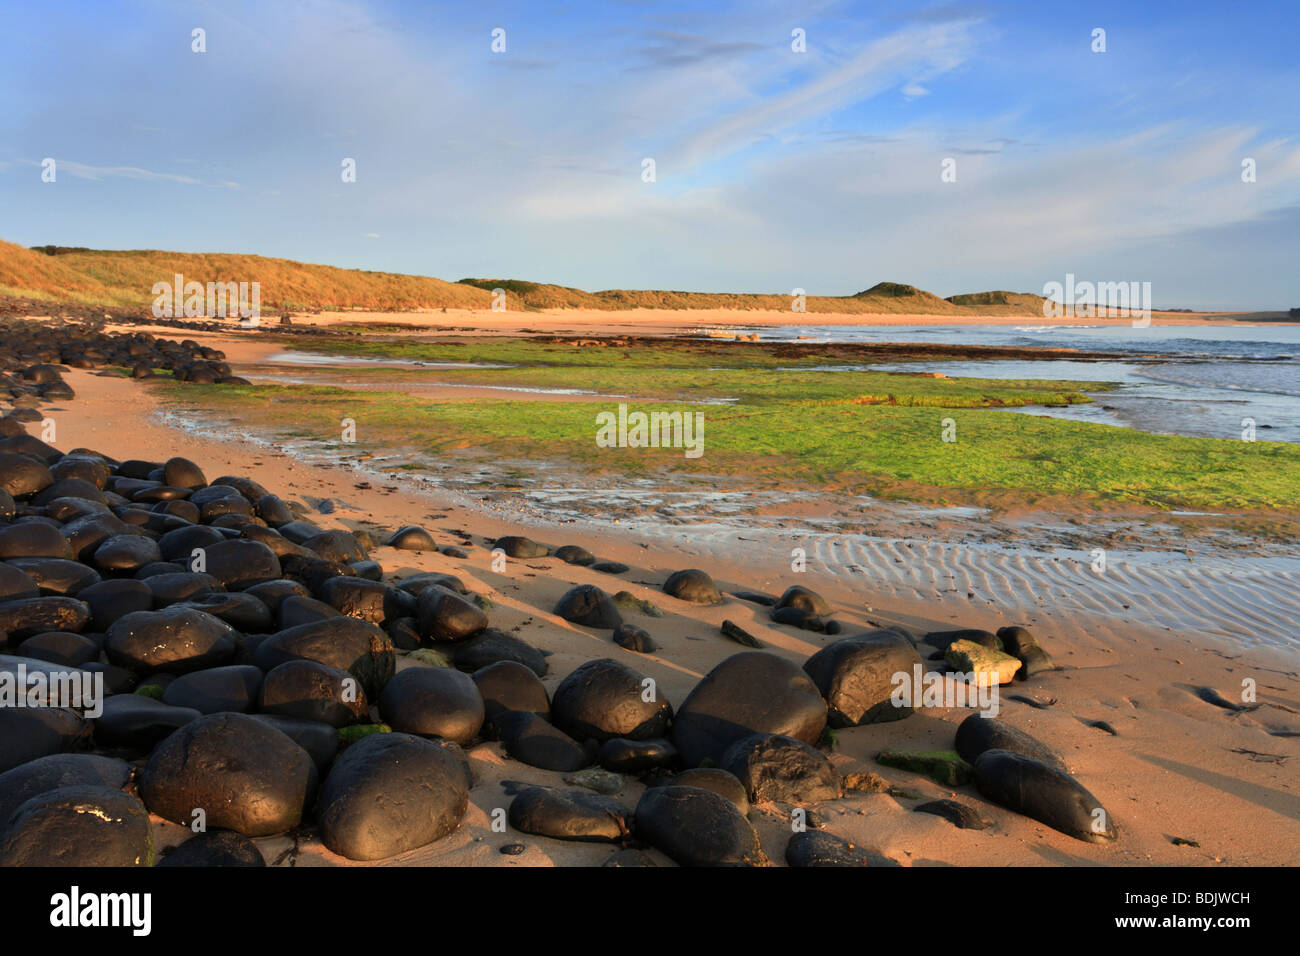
(659, 321)
(1180, 766)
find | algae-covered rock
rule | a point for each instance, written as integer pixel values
(429, 657)
(628, 601)
(598, 780)
(941, 766)
(972, 658)
(350, 735)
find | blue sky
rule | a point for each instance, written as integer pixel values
(774, 169)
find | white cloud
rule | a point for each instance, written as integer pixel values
(84, 171)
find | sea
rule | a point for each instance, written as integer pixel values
(1205, 381)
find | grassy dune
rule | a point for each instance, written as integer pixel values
(126, 278)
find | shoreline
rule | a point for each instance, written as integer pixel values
(1176, 766)
(615, 322)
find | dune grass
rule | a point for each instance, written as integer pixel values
(125, 278)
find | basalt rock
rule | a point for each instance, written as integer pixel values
(748, 693)
(858, 677)
(433, 702)
(445, 616)
(411, 538)
(78, 826)
(697, 827)
(781, 769)
(603, 699)
(309, 690)
(361, 649)
(389, 793)
(569, 815)
(693, 586)
(173, 640)
(589, 606)
(1045, 793)
(215, 848)
(515, 546)
(244, 774)
(977, 733)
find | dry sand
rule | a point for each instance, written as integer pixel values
(1179, 767)
(664, 322)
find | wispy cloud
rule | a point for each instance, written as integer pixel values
(97, 173)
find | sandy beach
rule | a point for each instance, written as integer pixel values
(715, 321)
(1176, 768)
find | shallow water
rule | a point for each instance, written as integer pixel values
(1194, 380)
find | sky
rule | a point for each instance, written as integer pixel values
(774, 168)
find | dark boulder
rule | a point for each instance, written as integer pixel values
(216, 690)
(509, 685)
(622, 755)
(519, 547)
(633, 638)
(411, 538)
(370, 601)
(530, 739)
(858, 677)
(389, 793)
(360, 648)
(433, 702)
(603, 699)
(804, 599)
(29, 616)
(748, 693)
(816, 848)
(492, 646)
(214, 848)
(693, 586)
(696, 827)
(241, 563)
(33, 539)
(445, 616)
(1021, 644)
(782, 770)
(589, 606)
(244, 774)
(56, 576)
(572, 554)
(78, 826)
(110, 601)
(309, 690)
(1045, 793)
(21, 476)
(27, 780)
(173, 640)
(978, 733)
(29, 733)
(137, 723)
(570, 815)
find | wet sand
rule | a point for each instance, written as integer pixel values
(1178, 767)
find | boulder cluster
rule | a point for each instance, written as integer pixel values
(34, 356)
